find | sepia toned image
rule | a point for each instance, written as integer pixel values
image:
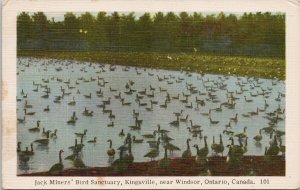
(151, 93)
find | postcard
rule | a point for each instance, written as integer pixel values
(150, 94)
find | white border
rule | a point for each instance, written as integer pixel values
(292, 10)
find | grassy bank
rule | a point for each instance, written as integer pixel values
(185, 167)
(270, 68)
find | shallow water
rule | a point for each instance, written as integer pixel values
(95, 154)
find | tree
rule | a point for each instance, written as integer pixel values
(24, 28)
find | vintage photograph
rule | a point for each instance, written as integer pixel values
(151, 93)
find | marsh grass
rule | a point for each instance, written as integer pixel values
(268, 68)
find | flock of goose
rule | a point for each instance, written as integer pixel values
(125, 114)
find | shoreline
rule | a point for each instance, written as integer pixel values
(266, 68)
(184, 167)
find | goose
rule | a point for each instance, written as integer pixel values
(105, 110)
(213, 145)
(175, 97)
(118, 96)
(165, 138)
(27, 152)
(47, 109)
(110, 152)
(234, 119)
(228, 132)
(44, 132)
(137, 126)
(53, 135)
(120, 165)
(151, 107)
(135, 114)
(19, 147)
(219, 109)
(242, 135)
(93, 141)
(255, 112)
(75, 146)
(189, 106)
(134, 140)
(36, 89)
(57, 168)
(194, 131)
(46, 95)
(177, 114)
(21, 120)
(111, 124)
(161, 131)
(150, 95)
(72, 103)
(89, 114)
(149, 136)
(258, 137)
(281, 147)
(207, 114)
(153, 143)
(175, 123)
(194, 126)
(247, 100)
(111, 116)
(121, 134)
(78, 162)
(187, 153)
(164, 105)
(44, 141)
(274, 148)
(228, 125)
(85, 111)
(28, 113)
(245, 149)
(81, 134)
(27, 105)
(162, 89)
(72, 121)
(125, 103)
(129, 157)
(106, 102)
(213, 122)
(235, 151)
(165, 162)
(203, 152)
(220, 147)
(153, 153)
(35, 129)
(279, 133)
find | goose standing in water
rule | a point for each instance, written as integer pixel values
(110, 152)
(187, 153)
(44, 141)
(153, 153)
(47, 109)
(176, 122)
(93, 141)
(28, 113)
(35, 129)
(57, 168)
(134, 140)
(81, 134)
(258, 137)
(165, 162)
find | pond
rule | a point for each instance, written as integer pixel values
(34, 76)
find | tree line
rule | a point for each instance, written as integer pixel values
(260, 34)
